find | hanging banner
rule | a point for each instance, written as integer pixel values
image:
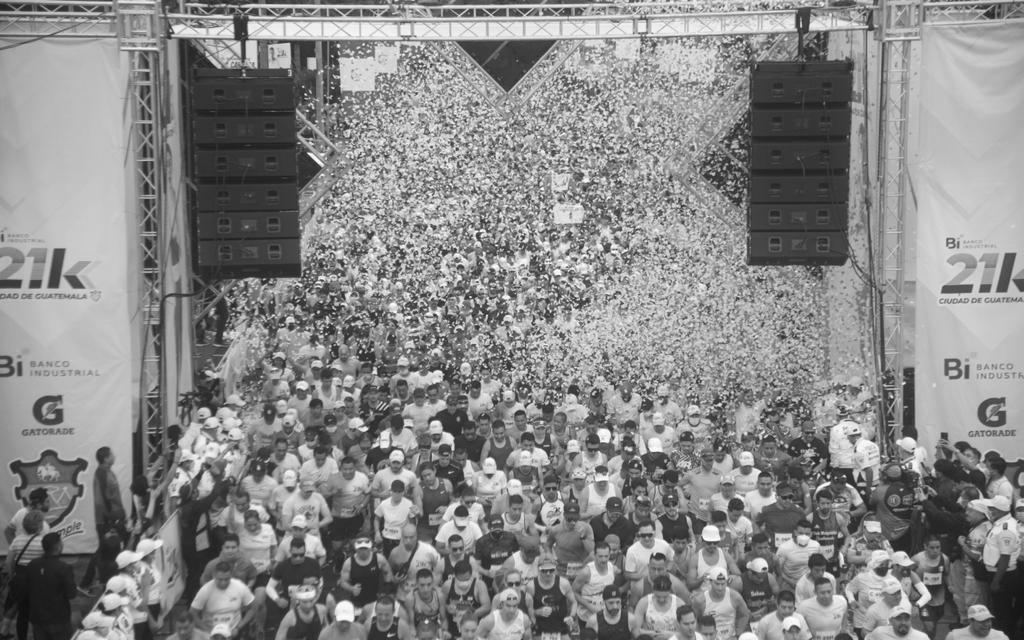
(65, 346)
(970, 239)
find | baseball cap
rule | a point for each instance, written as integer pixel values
(758, 565)
(613, 504)
(908, 444)
(853, 430)
(363, 543)
(711, 534)
(579, 473)
(490, 466)
(203, 413)
(600, 477)
(316, 364)
(300, 521)
(345, 612)
(891, 586)
(693, 410)
(435, 428)
(979, 505)
(126, 558)
(1019, 504)
(610, 591)
(495, 520)
(658, 418)
(112, 601)
(514, 487)
(716, 573)
(573, 446)
(96, 620)
(403, 362)
(222, 630)
(790, 622)
(901, 558)
(899, 610)
(147, 546)
(547, 560)
(1000, 502)
(572, 507)
(746, 459)
(510, 596)
(444, 450)
(117, 583)
(289, 478)
(727, 480)
(977, 612)
(396, 456)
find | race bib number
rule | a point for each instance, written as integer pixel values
(392, 533)
(348, 512)
(223, 618)
(550, 635)
(932, 579)
(782, 538)
(434, 519)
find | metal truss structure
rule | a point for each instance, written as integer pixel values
(143, 26)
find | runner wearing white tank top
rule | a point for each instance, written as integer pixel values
(658, 617)
(590, 582)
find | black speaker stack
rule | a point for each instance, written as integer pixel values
(799, 163)
(244, 159)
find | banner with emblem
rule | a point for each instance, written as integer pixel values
(65, 342)
(970, 240)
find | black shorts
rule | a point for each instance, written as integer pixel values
(342, 529)
(261, 580)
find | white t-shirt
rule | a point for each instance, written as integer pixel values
(756, 502)
(469, 535)
(395, 517)
(314, 508)
(886, 633)
(346, 494)
(258, 548)
(315, 549)
(824, 622)
(638, 556)
(770, 627)
(222, 606)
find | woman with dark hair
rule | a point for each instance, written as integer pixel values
(24, 548)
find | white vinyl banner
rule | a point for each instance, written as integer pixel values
(967, 177)
(65, 374)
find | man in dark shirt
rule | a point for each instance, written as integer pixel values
(452, 417)
(611, 521)
(50, 590)
(494, 548)
(471, 441)
(809, 450)
(445, 469)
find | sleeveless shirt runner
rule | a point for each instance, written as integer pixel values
(509, 630)
(464, 603)
(703, 566)
(613, 630)
(423, 611)
(554, 598)
(758, 596)
(657, 622)
(501, 454)
(433, 499)
(369, 577)
(724, 612)
(376, 634)
(306, 630)
(591, 591)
